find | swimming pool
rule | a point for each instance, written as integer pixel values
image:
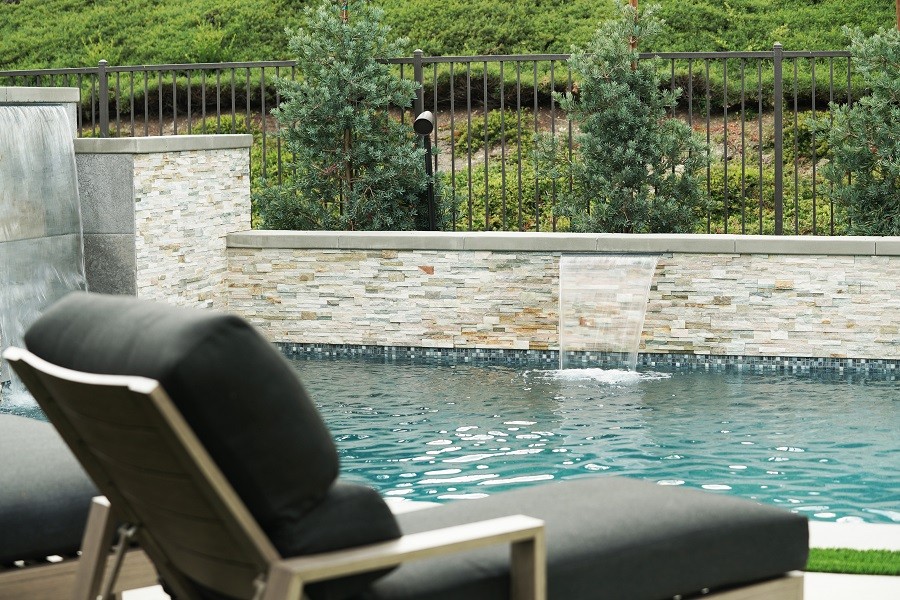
(822, 445)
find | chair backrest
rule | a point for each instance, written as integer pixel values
(241, 399)
(144, 457)
(240, 396)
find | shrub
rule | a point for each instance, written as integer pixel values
(752, 201)
(500, 125)
(510, 202)
(865, 138)
(354, 165)
(810, 141)
(636, 170)
(224, 124)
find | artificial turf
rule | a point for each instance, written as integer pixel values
(857, 562)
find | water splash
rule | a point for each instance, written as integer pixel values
(607, 376)
(602, 303)
(41, 251)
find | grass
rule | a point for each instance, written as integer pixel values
(856, 562)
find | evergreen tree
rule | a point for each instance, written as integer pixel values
(355, 166)
(635, 170)
(865, 138)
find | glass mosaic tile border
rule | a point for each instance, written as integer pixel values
(550, 358)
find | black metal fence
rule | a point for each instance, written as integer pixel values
(753, 108)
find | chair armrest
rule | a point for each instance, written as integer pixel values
(524, 534)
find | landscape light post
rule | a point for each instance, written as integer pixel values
(423, 126)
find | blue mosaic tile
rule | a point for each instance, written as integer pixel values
(550, 359)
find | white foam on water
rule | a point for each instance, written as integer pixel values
(605, 376)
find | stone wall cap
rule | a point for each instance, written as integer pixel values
(158, 144)
(39, 95)
(568, 242)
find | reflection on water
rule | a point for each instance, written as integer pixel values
(825, 447)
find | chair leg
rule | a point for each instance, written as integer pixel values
(95, 545)
(283, 585)
(528, 569)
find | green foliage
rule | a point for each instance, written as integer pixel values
(73, 33)
(514, 197)
(636, 170)
(489, 27)
(354, 165)
(743, 25)
(810, 142)
(501, 125)
(223, 125)
(747, 203)
(865, 138)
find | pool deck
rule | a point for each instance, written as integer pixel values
(859, 536)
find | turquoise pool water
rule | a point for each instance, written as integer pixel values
(825, 446)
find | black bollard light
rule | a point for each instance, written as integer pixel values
(423, 126)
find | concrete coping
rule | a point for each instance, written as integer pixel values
(157, 144)
(568, 242)
(39, 95)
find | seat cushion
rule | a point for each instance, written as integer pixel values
(44, 493)
(240, 396)
(610, 537)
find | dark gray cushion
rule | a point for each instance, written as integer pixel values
(610, 537)
(241, 398)
(239, 395)
(44, 493)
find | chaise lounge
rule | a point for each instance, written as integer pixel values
(206, 445)
(44, 500)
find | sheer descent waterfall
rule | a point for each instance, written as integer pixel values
(602, 303)
(41, 252)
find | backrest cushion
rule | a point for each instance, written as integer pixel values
(240, 396)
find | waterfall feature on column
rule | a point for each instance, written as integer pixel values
(41, 252)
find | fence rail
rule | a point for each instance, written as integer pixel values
(487, 109)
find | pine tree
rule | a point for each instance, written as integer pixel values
(355, 166)
(636, 169)
(865, 138)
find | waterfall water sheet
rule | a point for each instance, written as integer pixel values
(602, 303)
(41, 248)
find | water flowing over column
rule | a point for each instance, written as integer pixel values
(602, 303)
(41, 252)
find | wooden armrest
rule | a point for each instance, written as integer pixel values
(524, 534)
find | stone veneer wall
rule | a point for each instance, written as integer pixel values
(717, 295)
(157, 211)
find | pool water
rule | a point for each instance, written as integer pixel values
(824, 446)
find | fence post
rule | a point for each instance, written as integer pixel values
(419, 76)
(103, 83)
(779, 139)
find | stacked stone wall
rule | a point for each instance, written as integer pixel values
(398, 298)
(722, 304)
(186, 203)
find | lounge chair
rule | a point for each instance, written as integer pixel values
(202, 438)
(44, 500)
